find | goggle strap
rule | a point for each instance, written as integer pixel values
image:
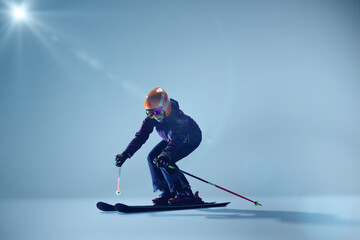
(166, 104)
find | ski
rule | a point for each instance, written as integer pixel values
(154, 208)
(105, 207)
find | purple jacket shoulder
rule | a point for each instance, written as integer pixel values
(176, 129)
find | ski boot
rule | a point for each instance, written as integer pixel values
(163, 198)
(186, 197)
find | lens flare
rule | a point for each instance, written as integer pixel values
(19, 13)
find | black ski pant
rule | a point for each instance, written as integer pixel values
(167, 179)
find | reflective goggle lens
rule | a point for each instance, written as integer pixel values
(154, 113)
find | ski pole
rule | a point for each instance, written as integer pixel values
(175, 168)
(118, 192)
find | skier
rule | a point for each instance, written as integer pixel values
(180, 136)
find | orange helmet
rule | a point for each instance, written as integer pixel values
(158, 99)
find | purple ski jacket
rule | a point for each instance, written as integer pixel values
(176, 129)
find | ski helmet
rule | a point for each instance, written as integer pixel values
(158, 99)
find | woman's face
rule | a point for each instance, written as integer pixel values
(160, 118)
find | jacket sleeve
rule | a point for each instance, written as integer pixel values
(140, 137)
(179, 135)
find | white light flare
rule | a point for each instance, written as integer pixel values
(19, 13)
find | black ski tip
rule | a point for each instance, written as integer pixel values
(105, 207)
(226, 203)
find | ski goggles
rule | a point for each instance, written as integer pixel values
(154, 113)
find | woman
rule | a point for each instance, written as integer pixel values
(180, 136)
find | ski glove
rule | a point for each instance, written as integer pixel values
(121, 158)
(163, 160)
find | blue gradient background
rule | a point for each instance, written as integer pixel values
(274, 86)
